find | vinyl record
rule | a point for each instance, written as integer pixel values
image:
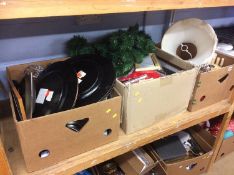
(57, 89)
(97, 77)
(29, 95)
(16, 105)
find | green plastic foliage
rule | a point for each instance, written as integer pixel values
(124, 47)
(78, 45)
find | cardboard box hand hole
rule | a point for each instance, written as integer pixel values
(72, 131)
(202, 169)
(202, 98)
(190, 167)
(44, 153)
(221, 80)
(77, 125)
(107, 132)
(231, 88)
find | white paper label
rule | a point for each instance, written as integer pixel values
(41, 96)
(79, 80)
(49, 96)
(81, 74)
(229, 68)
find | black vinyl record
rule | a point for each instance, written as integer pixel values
(98, 79)
(29, 95)
(57, 89)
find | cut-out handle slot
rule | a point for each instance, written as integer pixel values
(107, 132)
(202, 98)
(202, 169)
(192, 166)
(77, 125)
(44, 153)
(231, 88)
(223, 78)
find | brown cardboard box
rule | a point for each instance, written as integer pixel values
(109, 167)
(136, 162)
(150, 101)
(213, 86)
(226, 148)
(192, 165)
(50, 134)
(156, 171)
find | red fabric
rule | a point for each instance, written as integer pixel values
(215, 127)
(150, 74)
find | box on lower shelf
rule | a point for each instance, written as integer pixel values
(215, 85)
(189, 165)
(46, 140)
(157, 170)
(140, 161)
(136, 162)
(227, 147)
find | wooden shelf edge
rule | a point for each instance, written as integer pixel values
(4, 166)
(124, 144)
(32, 9)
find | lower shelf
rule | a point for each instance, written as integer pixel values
(124, 144)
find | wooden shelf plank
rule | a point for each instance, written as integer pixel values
(11, 9)
(124, 144)
(4, 166)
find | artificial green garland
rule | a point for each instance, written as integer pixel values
(124, 47)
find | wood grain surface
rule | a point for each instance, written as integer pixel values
(124, 144)
(11, 9)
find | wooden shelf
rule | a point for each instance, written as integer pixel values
(124, 144)
(11, 9)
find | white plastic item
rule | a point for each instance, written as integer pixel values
(224, 46)
(194, 31)
(184, 139)
(231, 52)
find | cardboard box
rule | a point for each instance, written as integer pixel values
(150, 101)
(191, 165)
(156, 171)
(213, 86)
(226, 148)
(136, 162)
(48, 135)
(109, 167)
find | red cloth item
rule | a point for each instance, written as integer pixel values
(231, 125)
(141, 75)
(215, 126)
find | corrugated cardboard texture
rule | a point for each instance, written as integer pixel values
(174, 60)
(132, 165)
(151, 101)
(157, 170)
(207, 137)
(50, 132)
(209, 90)
(226, 148)
(200, 163)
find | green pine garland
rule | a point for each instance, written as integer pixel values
(124, 47)
(78, 45)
